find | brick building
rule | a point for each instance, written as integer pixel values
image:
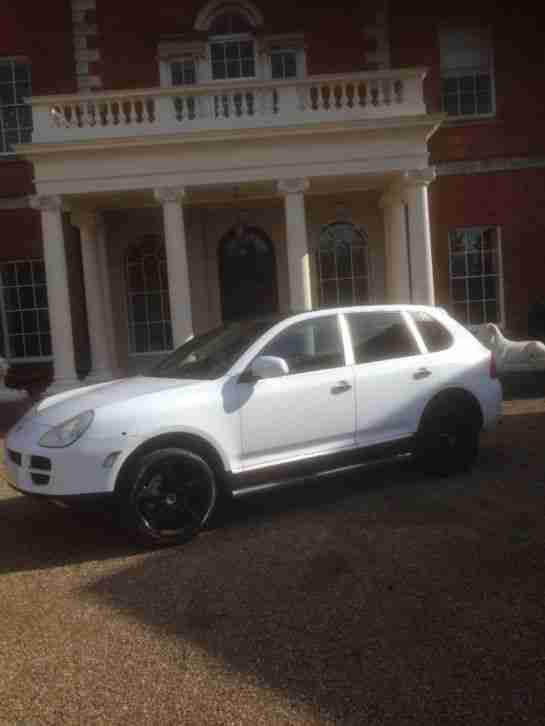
(165, 167)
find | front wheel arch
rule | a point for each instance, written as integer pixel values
(189, 442)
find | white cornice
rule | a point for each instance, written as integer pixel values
(427, 122)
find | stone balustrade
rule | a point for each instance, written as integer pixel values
(228, 106)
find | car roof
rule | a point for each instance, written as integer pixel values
(379, 307)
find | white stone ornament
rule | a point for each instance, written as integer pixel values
(511, 356)
(8, 395)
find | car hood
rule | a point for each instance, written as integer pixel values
(57, 409)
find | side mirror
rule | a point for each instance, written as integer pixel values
(266, 366)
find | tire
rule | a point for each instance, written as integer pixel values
(447, 441)
(168, 498)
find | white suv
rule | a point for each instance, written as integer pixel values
(259, 403)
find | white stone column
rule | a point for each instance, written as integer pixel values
(398, 279)
(178, 271)
(416, 186)
(58, 296)
(104, 267)
(297, 242)
(89, 224)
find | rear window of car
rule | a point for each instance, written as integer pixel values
(380, 336)
(435, 335)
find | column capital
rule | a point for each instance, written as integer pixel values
(419, 177)
(169, 194)
(292, 186)
(49, 203)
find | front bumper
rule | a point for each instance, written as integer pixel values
(76, 470)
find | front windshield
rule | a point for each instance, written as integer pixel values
(211, 355)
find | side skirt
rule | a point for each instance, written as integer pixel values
(288, 475)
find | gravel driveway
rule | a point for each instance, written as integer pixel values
(385, 598)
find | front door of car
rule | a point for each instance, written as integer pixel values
(391, 380)
(309, 410)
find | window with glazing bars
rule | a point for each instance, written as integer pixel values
(283, 63)
(475, 275)
(150, 328)
(15, 114)
(342, 261)
(183, 72)
(25, 314)
(467, 84)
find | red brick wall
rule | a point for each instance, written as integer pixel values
(20, 234)
(519, 66)
(41, 32)
(515, 202)
(129, 34)
(15, 177)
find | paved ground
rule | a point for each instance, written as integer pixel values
(384, 599)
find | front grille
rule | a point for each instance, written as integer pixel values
(15, 456)
(40, 479)
(40, 462)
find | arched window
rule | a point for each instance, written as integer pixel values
(247, 268)
(149, 323)
(342, 260)
(232, 48)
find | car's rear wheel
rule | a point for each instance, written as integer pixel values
(447, 441)
(169, 497)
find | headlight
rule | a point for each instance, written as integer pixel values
(66, 433)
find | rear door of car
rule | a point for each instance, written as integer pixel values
(391, 382)
(446, 363)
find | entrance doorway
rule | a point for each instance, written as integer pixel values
(247, 268)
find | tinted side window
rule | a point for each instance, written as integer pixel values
(314, 344)
(436, 336)
(380, 336)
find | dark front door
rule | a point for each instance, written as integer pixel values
(247, 274)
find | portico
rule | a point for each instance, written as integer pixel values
(328, 210)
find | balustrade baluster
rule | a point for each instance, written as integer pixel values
(342, 97)
(302, 98)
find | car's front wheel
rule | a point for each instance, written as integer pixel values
(169, 496)
(447, 441)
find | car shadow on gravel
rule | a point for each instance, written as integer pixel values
(37, 535)
(378, 599)
(363, 614)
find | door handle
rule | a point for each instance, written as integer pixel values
(341, 387)
(421, 373)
